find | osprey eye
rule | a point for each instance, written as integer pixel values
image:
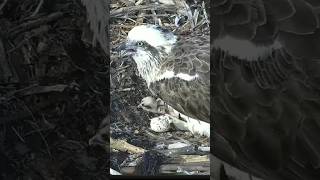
(140, 43)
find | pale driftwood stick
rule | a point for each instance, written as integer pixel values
(122, 145)
(187, 167)
(195, 164)
(172, 169)
(185, 159)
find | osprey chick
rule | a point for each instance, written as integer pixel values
(176, 69)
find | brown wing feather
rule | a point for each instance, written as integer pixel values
(192, 98)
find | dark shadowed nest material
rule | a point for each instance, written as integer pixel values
(53, 92)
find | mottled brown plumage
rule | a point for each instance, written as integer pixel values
(190, 55)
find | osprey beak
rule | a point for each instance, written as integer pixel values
(126, 49)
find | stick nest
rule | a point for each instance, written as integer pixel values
(128, 122)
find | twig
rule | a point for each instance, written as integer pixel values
(185, 159)
(14, 117)
(122, 145)
(122, 68)
(188, 150)
(205, 13)
(3, 4)
(34, 23)
(139, 2)
(127, 10)
(37, 129)
(29, 35)
(19, 136)
(12, 93)
(187, 167)
(149, 15)
(37, 9)
(4, 65)
(173, 169)
(125, 89)
(34, 89)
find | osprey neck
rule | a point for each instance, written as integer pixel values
(148, 64)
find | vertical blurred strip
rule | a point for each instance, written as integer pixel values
(98, 18)
(98, 14)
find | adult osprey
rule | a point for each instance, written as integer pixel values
(265, 82)
(176, 69)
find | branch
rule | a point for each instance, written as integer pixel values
(124, 146)
(127, 10)
(34, 23)
(37, 9)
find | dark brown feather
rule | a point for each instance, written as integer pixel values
(192, 98)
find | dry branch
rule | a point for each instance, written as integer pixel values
(204, 167)
(190, 164)
(38, 8)
(127, 10)
(34, 23)
(38, 90)
(124, 146)
(185, 159)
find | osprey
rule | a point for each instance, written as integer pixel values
(176, 69)
(265, 84)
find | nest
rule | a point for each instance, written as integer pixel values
(54, 98)
(53, 92)
(135, 148)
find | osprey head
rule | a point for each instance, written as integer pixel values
(148, 39)
(148, 45)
